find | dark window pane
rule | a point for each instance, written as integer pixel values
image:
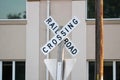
(111, 8)
(20, 71)
(90, 8)
(91, 70)
(118, 71)
(108, 71)
(12, 9)
(7, 71)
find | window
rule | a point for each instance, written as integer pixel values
(109, 72)
(118, 70)
(91, 70)
(12, 70)
(20, 71)
(111, 9)
(7, 71)
(12, 9)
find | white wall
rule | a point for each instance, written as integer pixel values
(111, 41)
(32, 41)
(12, 42)
(79, 38)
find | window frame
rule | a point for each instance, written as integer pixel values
(0, 70)
(13, 68)
(113, 64)
(15, 21)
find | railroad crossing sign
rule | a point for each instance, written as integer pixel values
(60, 35)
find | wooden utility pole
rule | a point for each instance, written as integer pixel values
(99, 64)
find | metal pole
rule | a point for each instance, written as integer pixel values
(99, 64)
(60, 64)
(60, 61)
(48, 35)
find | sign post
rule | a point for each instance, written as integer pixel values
(62, 67)
(60, 63)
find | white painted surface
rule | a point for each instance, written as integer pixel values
(111, 40)
(59, 70)
(0, 70)
(32, 39)
(79, 71)
(69, 27)
(13, 70)
(114, 70)
(72, 49)
(12, 42)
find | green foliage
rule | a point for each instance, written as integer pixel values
(21, 15)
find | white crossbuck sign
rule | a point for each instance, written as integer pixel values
(60, 35)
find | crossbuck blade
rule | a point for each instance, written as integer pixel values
(60, 35)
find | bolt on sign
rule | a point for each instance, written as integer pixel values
(60, 35)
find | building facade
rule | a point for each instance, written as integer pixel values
(23, 34)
